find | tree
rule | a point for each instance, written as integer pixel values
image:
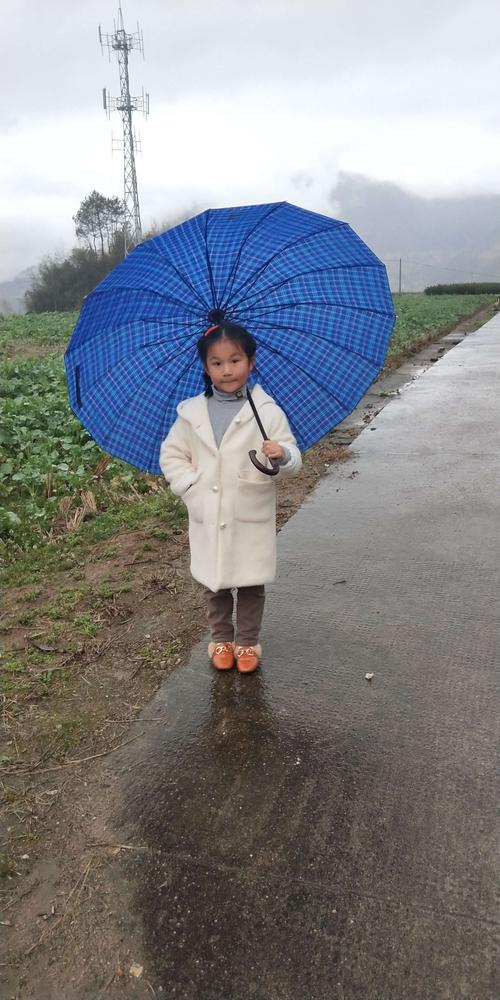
(99, 221)
(62, 283)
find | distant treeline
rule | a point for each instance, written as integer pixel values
(465, 288)
(62, 282)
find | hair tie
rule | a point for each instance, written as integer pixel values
(210, 329)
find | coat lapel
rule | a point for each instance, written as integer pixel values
(195, 411)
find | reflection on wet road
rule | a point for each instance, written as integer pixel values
(313, 836)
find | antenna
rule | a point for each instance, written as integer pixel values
(123, 43)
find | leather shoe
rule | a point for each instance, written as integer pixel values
(221, 655)
(248, 658)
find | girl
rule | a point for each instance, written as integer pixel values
(231, 505)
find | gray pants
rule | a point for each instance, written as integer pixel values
(249, 612)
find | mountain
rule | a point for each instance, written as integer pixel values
(12, 292)
(437, 239)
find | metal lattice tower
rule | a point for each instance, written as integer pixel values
(122, 44)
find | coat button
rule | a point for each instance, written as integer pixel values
(223, 525)
(238, 420)
(215, 489)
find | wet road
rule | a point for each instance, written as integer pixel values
(313, 835)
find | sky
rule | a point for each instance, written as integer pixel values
(250, 101)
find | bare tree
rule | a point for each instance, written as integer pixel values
(98, 221)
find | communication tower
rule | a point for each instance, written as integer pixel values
(123, 43)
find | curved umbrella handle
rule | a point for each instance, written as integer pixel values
(253, 454)
(264, 468)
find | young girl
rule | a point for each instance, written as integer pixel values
(231, 505)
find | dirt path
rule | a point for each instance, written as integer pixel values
(112, 629)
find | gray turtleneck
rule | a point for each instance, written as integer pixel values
(222, 409)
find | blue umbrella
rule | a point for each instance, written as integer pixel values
(313, 295)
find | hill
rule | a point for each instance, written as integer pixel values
(12, 292)
(438, 239)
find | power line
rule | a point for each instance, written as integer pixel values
(466, 275)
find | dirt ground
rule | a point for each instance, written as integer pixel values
(68, 931)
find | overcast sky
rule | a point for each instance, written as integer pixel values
(251, 101)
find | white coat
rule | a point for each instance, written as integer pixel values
(231, 505)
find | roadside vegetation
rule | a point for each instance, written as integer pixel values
(58, 491)
(420, 317)
(97, 607)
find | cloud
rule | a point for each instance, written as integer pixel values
(253, 101)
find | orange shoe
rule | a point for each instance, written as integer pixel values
(221, 655)
(248, 658)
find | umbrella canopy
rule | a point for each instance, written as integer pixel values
(313, 295)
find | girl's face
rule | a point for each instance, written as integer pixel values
(227, 365)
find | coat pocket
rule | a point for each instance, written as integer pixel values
(255, 501)
(193, 499)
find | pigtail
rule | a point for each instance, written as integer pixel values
(209, 389)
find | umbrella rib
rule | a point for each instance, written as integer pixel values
(169, 298)
(319, 305)
(234, 269)
(311, 378)
(182, 277)
(215, 301)
(288, 246)
(350, 350)
(173, 341)
(146, 377)
(303, 274)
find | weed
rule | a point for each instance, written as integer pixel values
(173, 647)
(37, 658)
(33, 595)
(7, 686)
(84, 623)
(109, 553)
(47, 677)
(12, 667)
(64, 604)
(160, 534)
(26, 617)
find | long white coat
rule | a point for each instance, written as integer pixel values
(231, 505)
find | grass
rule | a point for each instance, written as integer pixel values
(59, 494)
(419, 316)
(24, 567)
(35, 330)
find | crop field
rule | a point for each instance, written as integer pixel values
(57, 488)
(419, 316)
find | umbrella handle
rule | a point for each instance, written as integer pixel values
(264, 468)
(253, 454)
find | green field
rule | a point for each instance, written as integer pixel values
(57, 489)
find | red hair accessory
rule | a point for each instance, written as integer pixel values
(210, 329)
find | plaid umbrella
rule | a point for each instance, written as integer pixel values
(313, 295)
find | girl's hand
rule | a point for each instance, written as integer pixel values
(271, 449)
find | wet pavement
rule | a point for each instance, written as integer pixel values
(312, 835)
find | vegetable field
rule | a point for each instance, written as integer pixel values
(420, 316)
(57, 488)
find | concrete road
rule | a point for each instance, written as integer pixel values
(313, 835)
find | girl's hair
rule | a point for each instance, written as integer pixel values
(224, 331)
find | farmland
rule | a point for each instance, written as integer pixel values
(98, 606)
(58, 491)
